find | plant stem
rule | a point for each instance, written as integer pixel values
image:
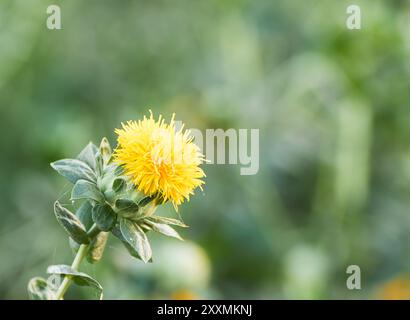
(82, 251)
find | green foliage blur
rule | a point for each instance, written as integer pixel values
(333, 187)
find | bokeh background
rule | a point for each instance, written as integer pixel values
(332, 106)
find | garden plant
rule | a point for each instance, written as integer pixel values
(118, 192)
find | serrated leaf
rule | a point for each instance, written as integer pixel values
(86, 190)
(87, 155)
(97, 246)
(79, 278)
(38, 289)
(136, 237)
(126, 208)
(105, 150)
(104, 217)
(71, 224)
(167, 220)
(74, 170)
(164, 229)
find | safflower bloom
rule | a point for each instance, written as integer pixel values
(160, 160)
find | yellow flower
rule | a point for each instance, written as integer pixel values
(396, 289)
(159, 159)
(184, 295)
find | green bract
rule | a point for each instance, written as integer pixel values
(108, 202)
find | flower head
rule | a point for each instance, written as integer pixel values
(159, 159)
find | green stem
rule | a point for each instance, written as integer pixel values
(81, 253)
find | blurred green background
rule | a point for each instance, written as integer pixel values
(331, 105)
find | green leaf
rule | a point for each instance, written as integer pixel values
(84, 213)
(74, 170)
(99, 164)
(109, 196)
(79, 278)
(144, 201)
(167, 220)
(104, 217)
(111, 169)
(87, 155)
(136, 237)
(126, 208)
(106, 182)
(97, 246)
(117, 233)
(38, 290)
(105, 150)
(118, 185)
(164, 229)
(71, 224)
(86, 190)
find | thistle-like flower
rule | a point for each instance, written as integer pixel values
(159, 159)
(117, 193)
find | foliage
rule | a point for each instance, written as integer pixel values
(332, 109)
(111, 201)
